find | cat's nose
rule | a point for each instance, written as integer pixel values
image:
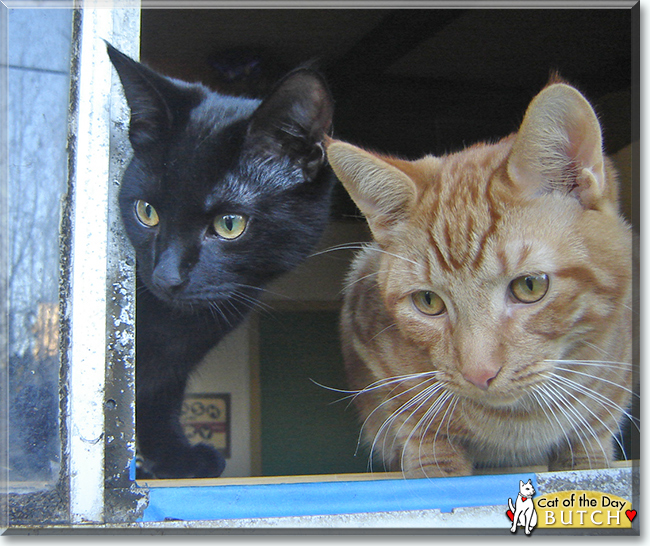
(481, 377)
(171, 270)
(168, 282)
(168, 279)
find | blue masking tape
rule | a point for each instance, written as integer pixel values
(327, 498)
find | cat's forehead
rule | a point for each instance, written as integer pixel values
(463, 180)
(458, 209)
(469, 220)
(203, 155)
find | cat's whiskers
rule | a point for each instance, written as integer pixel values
(248, 302)
(447, 417)
(559, 385)
(380, 383)
(596, 348)
(383, 383)
(387, 401)
(360, 279)
(214, 306)
(411, 407)
(366, 246)
(352, 394)
(252, 303)
(141, 289)
(383, 331)
(578, 420)
(543, 403)
(427, 419)
(419, 400)
(344, 246)
(554, 406)
(561, 393)
(598, 363)
(407, 407)
(593, 395)
(265, 290)
(288, 129)
(456, 400)
(596, 377)
(236, 309)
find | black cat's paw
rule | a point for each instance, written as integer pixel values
(198, 461)
(208, 462)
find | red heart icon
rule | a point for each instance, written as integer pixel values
(512, 516)
(631, 514)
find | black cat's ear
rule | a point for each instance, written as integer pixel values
(294, 120)
(155, 101)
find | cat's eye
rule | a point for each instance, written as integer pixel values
(529, 288)
(146, 213)
(230, 226)
(428, 302)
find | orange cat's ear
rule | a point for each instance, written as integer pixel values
(381, 191)
(559, 147)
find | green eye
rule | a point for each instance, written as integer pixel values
(146, 213)
(230, 226)
(428, 302)
(529, 288)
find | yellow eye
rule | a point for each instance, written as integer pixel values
(529, 288)
(428, 302)
(146, 213)
(230, 226)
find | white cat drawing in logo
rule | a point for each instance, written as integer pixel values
(523, 512)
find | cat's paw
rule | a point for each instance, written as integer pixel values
(437, 471)
(198, 461)
(577, 459)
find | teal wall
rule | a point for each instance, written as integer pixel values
(304, 429)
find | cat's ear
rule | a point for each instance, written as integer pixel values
(559, 148)
(153, 99)
(383, 193)
(294, 120)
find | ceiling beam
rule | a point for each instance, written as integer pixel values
(397, 34)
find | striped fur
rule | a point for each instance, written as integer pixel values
(491, 380)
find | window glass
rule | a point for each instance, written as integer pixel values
(38, 62)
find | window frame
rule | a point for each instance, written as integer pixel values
(96, 300)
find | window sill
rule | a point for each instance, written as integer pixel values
(272, 500)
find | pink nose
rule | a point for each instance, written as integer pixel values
(481, 377)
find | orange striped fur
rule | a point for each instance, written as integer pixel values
(491, 379)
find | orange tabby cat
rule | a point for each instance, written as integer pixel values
(490, 321)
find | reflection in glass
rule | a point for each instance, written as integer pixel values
(37, 85)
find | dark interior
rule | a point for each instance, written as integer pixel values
(409, 81)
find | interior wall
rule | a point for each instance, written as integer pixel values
(227, 369)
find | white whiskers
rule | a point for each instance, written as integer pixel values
(428, 395)
(577, 408)
(364, 246)
(418, 409)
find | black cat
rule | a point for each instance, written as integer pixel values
(222, 195)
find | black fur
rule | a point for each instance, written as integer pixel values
(197, 155)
